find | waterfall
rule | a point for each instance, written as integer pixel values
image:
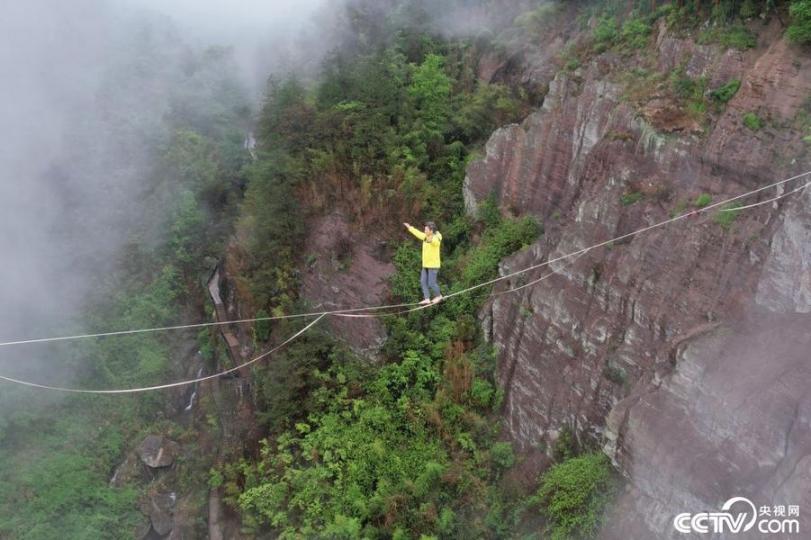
(193, 396)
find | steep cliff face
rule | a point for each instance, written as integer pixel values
(682, 347)
(733, 418)
(231, 398)
(345, 270)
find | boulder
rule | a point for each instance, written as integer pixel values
(161, 512)
(157, 451)
(126, 472)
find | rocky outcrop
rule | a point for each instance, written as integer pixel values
(160, 508)
(232, 397)
(785, 285)
(128, 471)
(737, 398)
(215, 518)
(234, 337)
(746, 383)
(659, 345)
(733, 419)
(157, 451)
(530, 57)
(345, 270)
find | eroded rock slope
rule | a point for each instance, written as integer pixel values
(685, 348)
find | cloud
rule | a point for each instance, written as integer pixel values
(84, 92)
(266, 36)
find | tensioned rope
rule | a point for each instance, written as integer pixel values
(169, 385)
(491, 295)
(636, 232)
(350, 311)
(235, 368)
(353, 312)
(195, 325)
(767, 201)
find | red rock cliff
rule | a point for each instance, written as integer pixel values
(684, 350)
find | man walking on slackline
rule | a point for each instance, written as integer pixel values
(431, 242)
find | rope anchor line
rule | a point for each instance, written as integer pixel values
(363, 311)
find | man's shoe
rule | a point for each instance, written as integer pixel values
(425, 302)
(437, 299)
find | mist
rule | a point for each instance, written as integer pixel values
(87, 89)
(267, 37)
(88, 86)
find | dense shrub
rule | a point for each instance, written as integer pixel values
(605, 33)
(573, 495)
(734, 36)
(702, 200)
(752, 121)
(503, 455)
(799, 30)
(726, 92)
(635, 33)
(632, 197)
(357, 448)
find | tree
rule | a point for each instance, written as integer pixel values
(272, 219)
(431, 88)
(287, 118)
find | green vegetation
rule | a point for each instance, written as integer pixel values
(565, 446)
(272, 221)
(686, 87)
(727, 215)
(799, 30)
(690, 14)
(54, 482)
(58, 453)
(749, 9)
(497, 242)
(679, 208)
(409, 448)
(736, 36)
(752, 121)
(430, 89)
(617, 29)
(631, 197)
(574, 494)
(692, 93)
(387, 449)
(702, 200)
(681, 18)
(719, 21)
(728, 18)
(502, 455)
(387, 129)
(802, 121)
(262, 327)
(635, 33)
(726, 92)
(605, 33)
